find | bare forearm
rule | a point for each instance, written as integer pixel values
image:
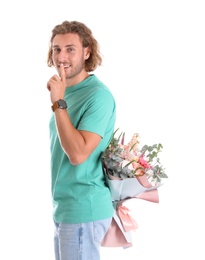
(71, 139)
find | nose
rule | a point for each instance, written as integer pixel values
(63, 55)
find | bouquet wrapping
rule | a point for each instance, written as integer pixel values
(119, 233)
(130, 173)
(122, 189)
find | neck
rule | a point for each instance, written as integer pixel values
(77, 79)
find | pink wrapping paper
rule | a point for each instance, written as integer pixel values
(115, 237)
(122, 189)
(119, 233)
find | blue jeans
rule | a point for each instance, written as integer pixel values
(80, 241)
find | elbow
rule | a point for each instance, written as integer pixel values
(76, 159)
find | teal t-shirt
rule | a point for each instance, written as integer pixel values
(79, 192)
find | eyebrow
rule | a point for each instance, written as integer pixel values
(68, 45)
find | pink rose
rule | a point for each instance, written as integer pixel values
(144, 163)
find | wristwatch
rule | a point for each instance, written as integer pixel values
(59, 104)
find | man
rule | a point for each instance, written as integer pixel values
(81, 127)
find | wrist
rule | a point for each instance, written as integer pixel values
(61, 103)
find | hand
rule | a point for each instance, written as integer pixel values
(57, 85)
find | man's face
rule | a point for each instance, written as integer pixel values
(68, 50)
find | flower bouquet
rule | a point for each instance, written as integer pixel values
(131, 172)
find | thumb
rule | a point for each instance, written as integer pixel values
(62, 74)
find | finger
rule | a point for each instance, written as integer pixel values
(48, 86)
(62, 74)
(51, 81)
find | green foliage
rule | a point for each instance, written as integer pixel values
(144, 160)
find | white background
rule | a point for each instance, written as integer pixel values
(154, 61)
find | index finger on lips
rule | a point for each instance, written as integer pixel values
(62, 74)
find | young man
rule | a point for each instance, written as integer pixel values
(81, 127)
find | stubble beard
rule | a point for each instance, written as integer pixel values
(76, 70)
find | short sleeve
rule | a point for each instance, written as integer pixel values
(100, 113)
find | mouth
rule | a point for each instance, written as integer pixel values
(66, 66)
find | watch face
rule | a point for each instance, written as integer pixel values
(62, 104)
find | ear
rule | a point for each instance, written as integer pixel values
(87, 53)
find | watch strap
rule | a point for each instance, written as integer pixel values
(61, 103)
(55, 106)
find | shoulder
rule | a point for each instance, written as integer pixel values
(98, 88)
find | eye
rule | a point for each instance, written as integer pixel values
(70, 49)
(56, 50)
